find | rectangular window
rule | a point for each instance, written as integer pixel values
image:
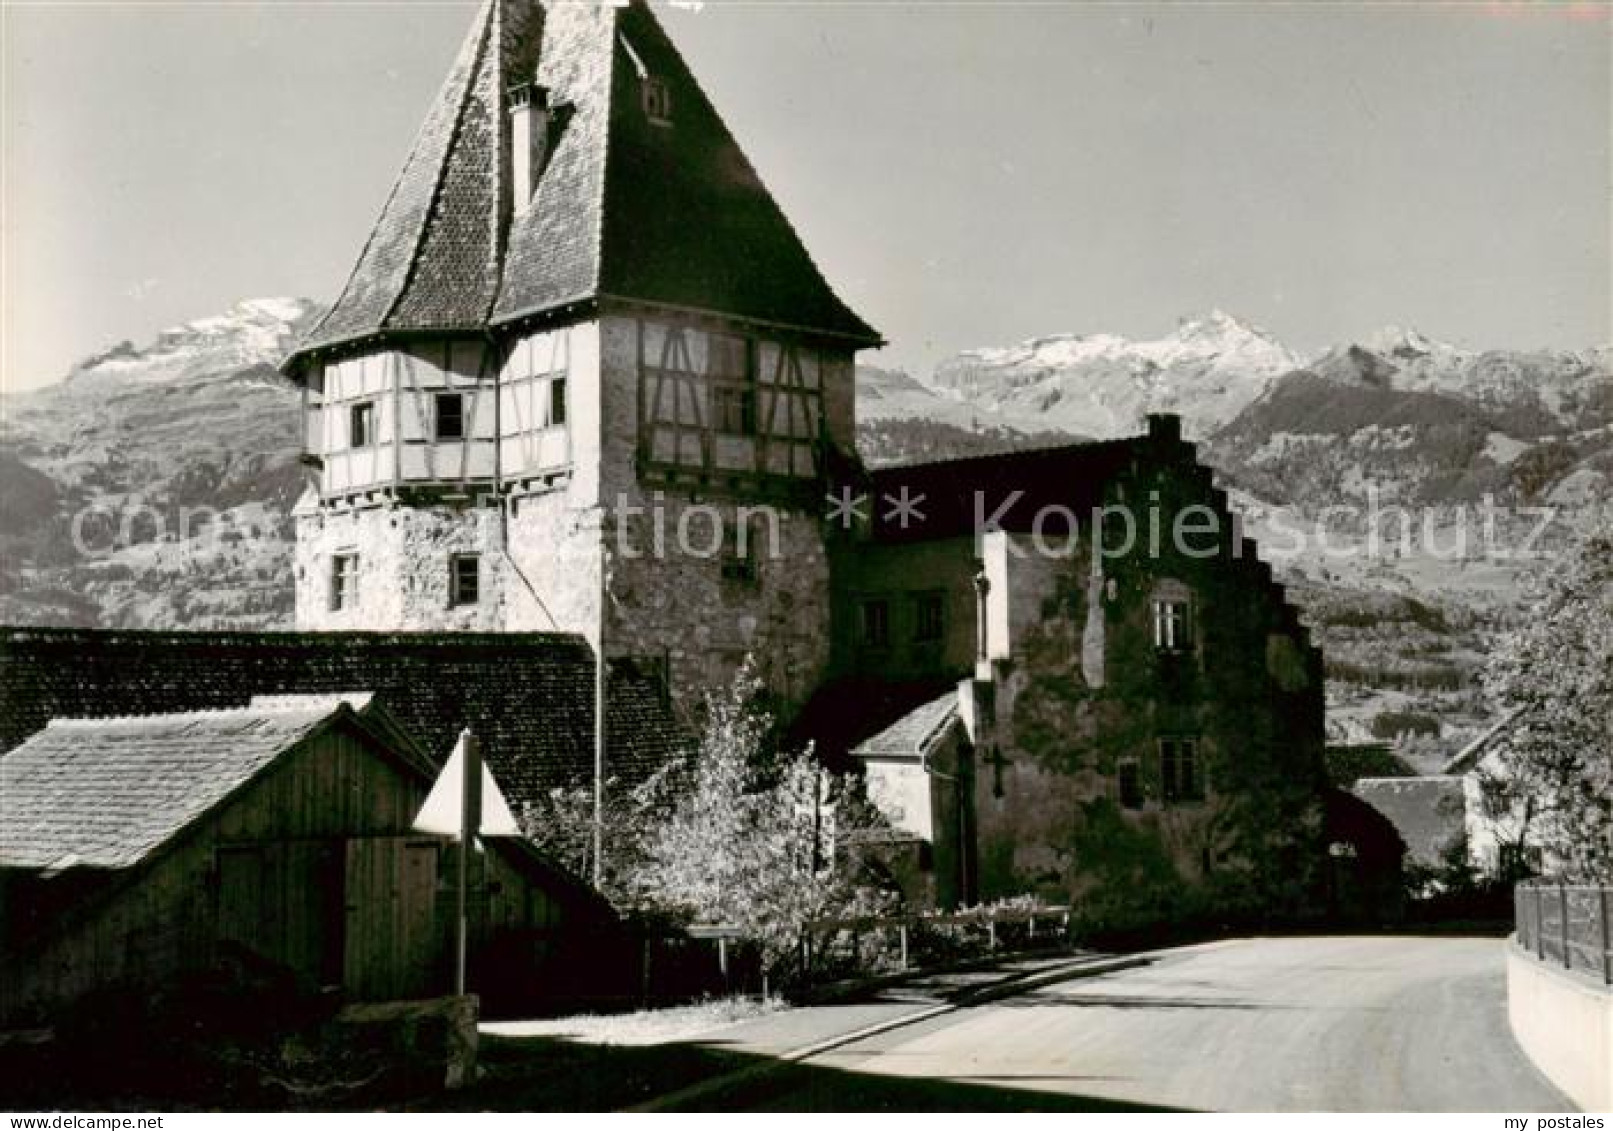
(1180, 776)
(1131, 784)
(730, 366)
(735, 410)
(450, 416)
(876, 624)
(739, 568)
(1173, 626)
(929, 618)
(557, 402)
(343, 582)
(464, 579)
(361, 424)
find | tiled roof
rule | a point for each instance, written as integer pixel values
(1071, 475)
(104, 793)
(433, 258)
(687, 220)
(916, 734)
(1430, 813)
(625, 208)
(528, 697)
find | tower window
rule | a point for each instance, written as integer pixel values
(876, 624)
(464, 579)
(1130, 781)
(1173, 625)
(343, 581)
(739, 568)
(657, 101)
(730, 365)
(557, 402)
(736, 410)
(450, 416)
(361, 424)
(1180, 776)
(929, 618)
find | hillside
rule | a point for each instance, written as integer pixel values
(150, 487)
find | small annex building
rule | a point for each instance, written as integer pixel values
(137, 849)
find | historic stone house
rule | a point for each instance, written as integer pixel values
(585, 377)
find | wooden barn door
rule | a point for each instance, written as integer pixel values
(281, 901)
(392, 931)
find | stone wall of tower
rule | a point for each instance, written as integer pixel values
(403, 558)
(672, 600)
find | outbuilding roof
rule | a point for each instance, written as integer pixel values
(915, 734)
(106, 793)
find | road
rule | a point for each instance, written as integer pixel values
(1305, 1024)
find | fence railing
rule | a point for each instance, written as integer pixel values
(1054, 928)
(1567, 926)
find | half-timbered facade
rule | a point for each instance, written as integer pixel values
(540, 379)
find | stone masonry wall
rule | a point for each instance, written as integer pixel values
(403, 555)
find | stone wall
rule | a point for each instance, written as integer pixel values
(1083, 687)
(403, 563)
(1075, 685)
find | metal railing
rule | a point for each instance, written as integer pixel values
(1567, 926)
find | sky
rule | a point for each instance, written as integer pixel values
(965, 174)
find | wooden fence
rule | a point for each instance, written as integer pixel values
(1567, 926)
(992, 922)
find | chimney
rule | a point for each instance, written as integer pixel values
(529, 136)
(1165, 427)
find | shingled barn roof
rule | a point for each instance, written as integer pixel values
(663, 212)
(528, 697)
(106, 793)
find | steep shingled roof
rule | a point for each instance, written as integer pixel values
(529, 697)
(106, 793)
(625, 208)
(433, 260)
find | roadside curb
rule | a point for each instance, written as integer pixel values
(1009, 987)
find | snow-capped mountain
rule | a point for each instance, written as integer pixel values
(150, 487)
(1562, 388)
(1102, 385)
(254, 332)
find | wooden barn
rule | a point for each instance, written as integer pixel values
(136, 849)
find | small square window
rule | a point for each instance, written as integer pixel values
(361, 424)
(450, 416)
(1180, 775)
(557, 402)
(464, 579)
(657, 101)
(1130, 781)
(1173, 625)
(929, 618)
(740, 569)
(343, 582)
(876, 624)
(735, 410)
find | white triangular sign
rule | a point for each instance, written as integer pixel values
(440, 814)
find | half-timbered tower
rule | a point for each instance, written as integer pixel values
(581, 353)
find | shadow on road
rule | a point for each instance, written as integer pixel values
(550, 1074)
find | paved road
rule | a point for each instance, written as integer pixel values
(1329, 1024)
